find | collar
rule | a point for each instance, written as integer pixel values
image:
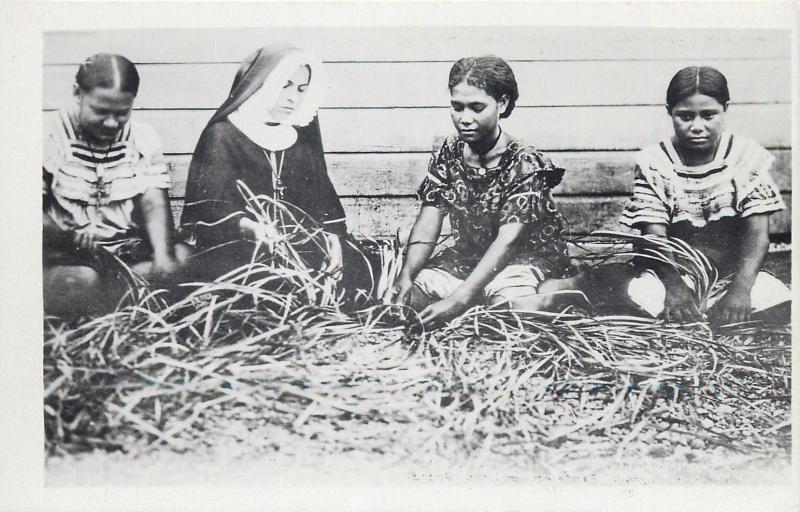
(718, 160)
(275, 137)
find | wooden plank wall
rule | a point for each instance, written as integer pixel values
(590, 97)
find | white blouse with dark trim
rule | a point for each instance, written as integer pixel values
(91, 190)
(736, 183)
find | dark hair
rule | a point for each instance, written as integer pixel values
(108, 70)
(490, 73)
(697, 80)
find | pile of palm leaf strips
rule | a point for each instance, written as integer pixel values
(270, 347)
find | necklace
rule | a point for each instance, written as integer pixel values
(482, 156)
(99, 161)
(82, 134)
(101, 190)
(102, 187)
(276, 168)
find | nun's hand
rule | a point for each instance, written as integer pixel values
(164, 266)
(260, 233)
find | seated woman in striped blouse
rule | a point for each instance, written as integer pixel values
(713, 190)
(104, 188)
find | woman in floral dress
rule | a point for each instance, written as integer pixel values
(496, 190)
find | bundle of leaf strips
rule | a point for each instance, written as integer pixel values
(268, 348)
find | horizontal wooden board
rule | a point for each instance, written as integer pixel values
(422, 43)
(382, 217)
(414, 84)
(558, 128)
(379, 217)
(393, 174)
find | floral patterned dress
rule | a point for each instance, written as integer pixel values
(479, 201)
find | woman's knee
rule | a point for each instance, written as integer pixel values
(72, 290)
(778, 314)
(417, 299)
(555, 297)
(497, 300)
(520, 299)
(74, 279)
(534, 302)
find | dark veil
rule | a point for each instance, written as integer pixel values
(252, 74)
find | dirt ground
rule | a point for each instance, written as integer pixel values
(719, 467)
(674, 461)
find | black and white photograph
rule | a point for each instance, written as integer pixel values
(503, 252)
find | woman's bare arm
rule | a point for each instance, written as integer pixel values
(753, 244)
(157, 218)
(500, 252)
(421, 243)
(680, 304)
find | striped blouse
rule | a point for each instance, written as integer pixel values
(91, 190)
(736, 183)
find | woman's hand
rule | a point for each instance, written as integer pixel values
(421, 241)
(733, 307)
(445, 309)
(747, 256)
(397, 295)
(680, 305)
(85, 241)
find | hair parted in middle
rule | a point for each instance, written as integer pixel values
(697, 80)
(490, 73)
(108, 70)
